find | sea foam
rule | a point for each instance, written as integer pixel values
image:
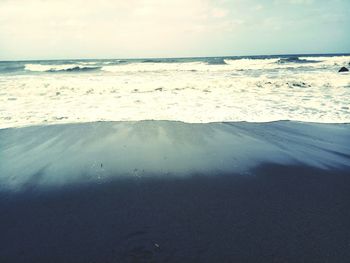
(198, 90)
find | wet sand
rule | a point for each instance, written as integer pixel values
(160, 191)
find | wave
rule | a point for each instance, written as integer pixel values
(202, 65)
(152, 61)
(77, 69)
(60, 68)
(249, 63)
(216, 61)
(183, 64)
(115, 62)
(155, 67)
(10, 68)
(295, 59)
(329, 61)
(191, 92)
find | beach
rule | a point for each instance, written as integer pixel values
(160, 191)
(224, 159)
(203, 131)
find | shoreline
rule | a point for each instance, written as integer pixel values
(162, 191)
(102, 151)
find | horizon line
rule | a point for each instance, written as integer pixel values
(184, 57)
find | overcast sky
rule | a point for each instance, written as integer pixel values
(56, 29)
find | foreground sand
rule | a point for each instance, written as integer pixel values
(281, 195)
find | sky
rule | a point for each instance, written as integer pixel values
(67, 29)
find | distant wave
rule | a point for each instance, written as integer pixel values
(152, 61)
(251, 63)
(179, 64)
(295, 59)
(10, 68)
(60, 68)
(78, 68)
(115, 62)
(216, 61)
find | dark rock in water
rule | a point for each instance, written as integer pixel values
(343, 69)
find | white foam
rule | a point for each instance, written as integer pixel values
(155, 67)
(244, 64)
(58, 67)
(243, 90)
(43, 68)
(330, 61)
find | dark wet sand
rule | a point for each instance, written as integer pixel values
(280, 214)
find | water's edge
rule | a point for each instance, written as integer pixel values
(64, 154)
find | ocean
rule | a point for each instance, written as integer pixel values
(196, 90)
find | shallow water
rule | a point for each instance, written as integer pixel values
(195, 90)
(59, 155)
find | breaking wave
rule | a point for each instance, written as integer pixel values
(204, 64)
(294, 59)
(216, 61)
(60, 68)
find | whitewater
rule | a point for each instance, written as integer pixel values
(194, 90)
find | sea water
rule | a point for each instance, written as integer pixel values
(195, 90)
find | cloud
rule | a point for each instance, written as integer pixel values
(134, 26)
(139, 28)
(219, 12)
(294, 2)
(258, 7)
(303, 2)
